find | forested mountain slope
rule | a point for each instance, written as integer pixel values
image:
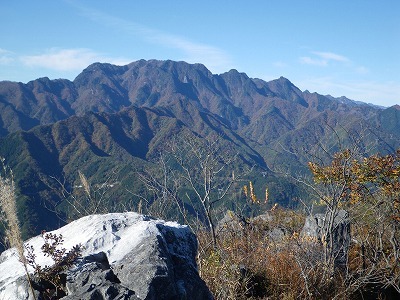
(117, 119)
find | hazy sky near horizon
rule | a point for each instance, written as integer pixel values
(349, 48)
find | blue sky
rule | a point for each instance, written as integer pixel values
(349, 48)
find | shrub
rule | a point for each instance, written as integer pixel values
(52, 277)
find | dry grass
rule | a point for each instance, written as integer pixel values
(9, 211)
(249, 263)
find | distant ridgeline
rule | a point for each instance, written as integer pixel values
(112, 123)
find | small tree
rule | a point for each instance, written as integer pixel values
(369, 189)
(62, 261)
(198, 169)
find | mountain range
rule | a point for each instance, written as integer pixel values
(115, 119)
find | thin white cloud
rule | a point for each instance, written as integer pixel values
(68, 59)
(331, 56)
(215, 58)
(362, 70)
(4, 51)
(323, 59)
(313, 61)
(6, 57)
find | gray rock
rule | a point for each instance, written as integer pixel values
(338, 241)
(231, 222)
(236, 224)
(126, 256)
(92, 278)
(161, 269)
(277, 234)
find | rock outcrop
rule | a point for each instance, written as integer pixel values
(125, 256)
(337, 239)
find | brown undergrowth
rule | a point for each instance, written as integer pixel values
(266, 258)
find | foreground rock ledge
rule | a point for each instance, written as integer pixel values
(125, 256)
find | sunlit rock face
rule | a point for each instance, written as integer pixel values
(125, 256)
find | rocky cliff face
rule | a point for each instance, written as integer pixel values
(125, 256)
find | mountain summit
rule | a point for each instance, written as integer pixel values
(108, 88)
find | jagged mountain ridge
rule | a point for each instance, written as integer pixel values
(263, 111)
(107, 88)
(117, 117)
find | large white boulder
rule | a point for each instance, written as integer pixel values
(145, 258)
